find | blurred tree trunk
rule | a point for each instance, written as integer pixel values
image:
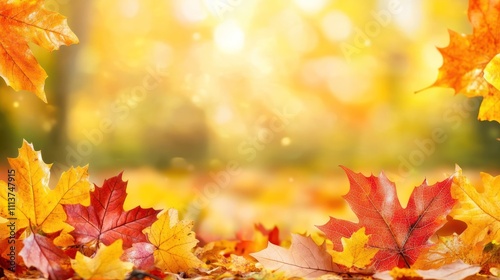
(65, 75)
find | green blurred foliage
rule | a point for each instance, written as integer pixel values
(311, 84)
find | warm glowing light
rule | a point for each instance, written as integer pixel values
(223, 114)
(191, 11)
(344, 79)
(196, 99)
(129, 8)
(431, 56)
(229, 37)
(336, 26)
(16, 104)
(409, 18)
(161, 53)
(261, 63)
(302, 35)
(311, 6)
(286, 141)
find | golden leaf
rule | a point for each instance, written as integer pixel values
(106, 263)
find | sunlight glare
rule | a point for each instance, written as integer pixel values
(344, 80)
(410, 18)
(223, 114)
(229, 37)
(311, 6)
(336, 26)
(191, 11)
(286, 141)
(129, 8)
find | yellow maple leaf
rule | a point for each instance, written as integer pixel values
(36, 205)
(490, 107)
(106, 263)
(173, 241)
(27, 21)
(449, 249)
(404, 273)
(355, 253)
(479, 210)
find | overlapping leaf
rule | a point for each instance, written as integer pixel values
(453, 271)
(355, 252)
(400, 234)
(36, 204)
(106, 263)
(479, 210)
(24, 22)
(303, 259)
(467, 56)
(141, 255)
(40, 252)
(174, 242)
(105, 221)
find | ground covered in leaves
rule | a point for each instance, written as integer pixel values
(82, 230)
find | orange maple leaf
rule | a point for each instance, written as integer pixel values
(467, 56)
(22, 22)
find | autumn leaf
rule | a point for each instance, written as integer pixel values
(399, 233)
(173, 241)
(453, 271)
(37, 205)
(467, 56)
(479, 210)
(24, 22)
(255, 239)
(106, 263)
(355, 253)
(105, 221)
(456, 270)
(303, 259)
(490, 107)
(141, 255)
(40, 252)
(398, 273)
(8, 250)
(446, 250)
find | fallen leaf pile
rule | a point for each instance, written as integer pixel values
(392, 241)
(82, 231)
(75, 228)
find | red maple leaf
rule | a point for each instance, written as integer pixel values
(273, 234)
(399, 233)
(104, 220)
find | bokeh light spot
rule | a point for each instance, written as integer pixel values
(229, 37)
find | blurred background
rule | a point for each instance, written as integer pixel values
(241, 111)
